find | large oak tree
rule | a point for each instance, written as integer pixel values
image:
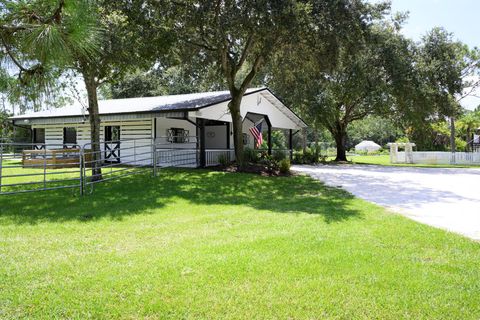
(371, 68)
(239, 38)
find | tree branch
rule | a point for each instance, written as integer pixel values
(11, 55)
(200, 45)
(251, 75)
(245, 51)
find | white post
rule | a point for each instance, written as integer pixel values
(408, 153)
(393, 152)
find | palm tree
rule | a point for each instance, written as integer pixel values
(468, 122)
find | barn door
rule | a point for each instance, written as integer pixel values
(112, 144)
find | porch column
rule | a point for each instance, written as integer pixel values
(290, 143)
(269, 141)
(228, 135)
(201, 134)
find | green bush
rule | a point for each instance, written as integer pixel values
(268, 161)
(279, 155)
(460, 144)
(284, 166)
(223, 160)
(251, 155)
(307, 157)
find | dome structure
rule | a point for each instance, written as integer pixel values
(367, 146)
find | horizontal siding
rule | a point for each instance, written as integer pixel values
(134, 129)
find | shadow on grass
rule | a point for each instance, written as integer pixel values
(140, 193)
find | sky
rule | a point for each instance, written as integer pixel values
(461, 17)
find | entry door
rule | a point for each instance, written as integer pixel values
(112, 144)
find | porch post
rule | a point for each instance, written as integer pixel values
(228, 135)
(290, 143)
(201, 131)
(269, 141)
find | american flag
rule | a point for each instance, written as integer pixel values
(256, 132)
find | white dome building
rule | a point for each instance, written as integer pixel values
(367, 146)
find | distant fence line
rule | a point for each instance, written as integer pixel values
(430, 157)
(435, 157)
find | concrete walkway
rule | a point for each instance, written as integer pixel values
(443, 198)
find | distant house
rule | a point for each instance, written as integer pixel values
(367, 146)
(199, 122)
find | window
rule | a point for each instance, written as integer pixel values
(177, 135)
(112, 133)
(69, 135)
(39, 135)
(246, 139)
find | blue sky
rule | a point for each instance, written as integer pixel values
(461, 17)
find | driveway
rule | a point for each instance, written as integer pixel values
(443, 198)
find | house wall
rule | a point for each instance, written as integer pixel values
(247, 124)
(164, 124)
(253, 103)
(136, 137)
(216, 137)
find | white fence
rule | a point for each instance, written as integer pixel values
(213, 156)
(434, 157)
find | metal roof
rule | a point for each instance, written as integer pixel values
(160, 104)
(179, 102)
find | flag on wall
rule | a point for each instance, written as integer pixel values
(256, 132)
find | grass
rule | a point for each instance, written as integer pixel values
(384, 160)
(195, 244)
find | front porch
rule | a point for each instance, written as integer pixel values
(212, 140)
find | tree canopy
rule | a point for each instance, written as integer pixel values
(239, 39)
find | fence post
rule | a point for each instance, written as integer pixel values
(154, 158)
(45, 168)
(1, 165)
(82, 164)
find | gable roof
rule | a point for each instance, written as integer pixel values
(179, 102)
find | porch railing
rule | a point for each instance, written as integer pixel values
(213, 156)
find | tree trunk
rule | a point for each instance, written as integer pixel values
(316, 151)
(340, 136)
(237, 124)
(94, 118)
(469, 140)
(304, 140)
(452, 134)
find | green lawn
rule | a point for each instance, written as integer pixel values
(384, 160)
(195, 244)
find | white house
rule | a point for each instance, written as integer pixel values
(199, 124)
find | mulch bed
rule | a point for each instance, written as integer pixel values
(252, 168)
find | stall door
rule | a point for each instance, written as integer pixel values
(112, 144)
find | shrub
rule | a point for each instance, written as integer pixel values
(307, 157)
(279, 155)
(269, 162)
(461, 144)
(284, 166)
(402, 140)
(223, 160)
(251, 155)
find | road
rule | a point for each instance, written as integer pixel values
(443, 198)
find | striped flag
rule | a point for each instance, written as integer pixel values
(256, 132)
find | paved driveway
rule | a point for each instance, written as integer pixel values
(444, 198)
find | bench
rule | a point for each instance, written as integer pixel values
(53, 158)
